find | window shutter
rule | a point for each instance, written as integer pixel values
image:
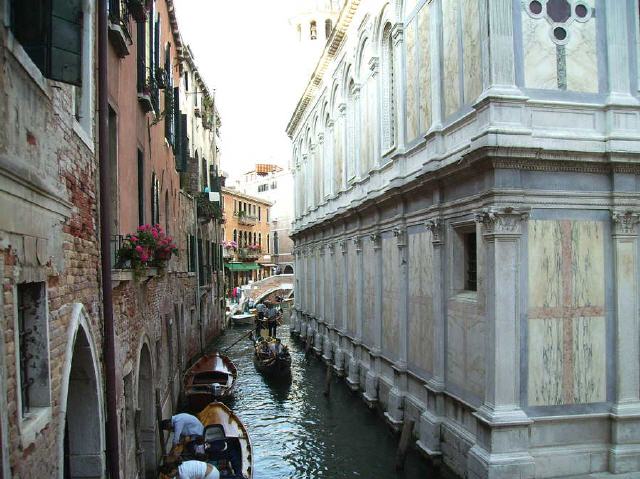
(142, 55)
(177, 138)
(30, 25)
(183, 155)
(66, 41)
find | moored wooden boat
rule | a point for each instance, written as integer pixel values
(227, 440)
(271, 357)
(242, 318)
(211, 378)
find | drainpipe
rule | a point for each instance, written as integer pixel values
(197, 264)
(105, 241)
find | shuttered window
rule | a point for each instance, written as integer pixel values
(50, 31)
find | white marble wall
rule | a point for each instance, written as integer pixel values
(471, 51)
(451, 60)
(424, 37)
(370, 291)
(353, 278)
(412, 81)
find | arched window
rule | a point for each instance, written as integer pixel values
(327, 156)
(260, 240)
(268, 245)
(351, 133)
(388, 97)
(235, 235)
(328, 26)
(314, 30)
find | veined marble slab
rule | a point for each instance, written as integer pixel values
(412, 98)
(370, 291)
(421, 301)
(540, 57)
(390, 295)
(567, 337)
(471, 52)
(451, 63)
(425, 66)
(582, 58)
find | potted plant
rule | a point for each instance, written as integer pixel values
(161, 77)
(149, 246)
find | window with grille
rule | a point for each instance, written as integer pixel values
(470, 262)
(33, 347)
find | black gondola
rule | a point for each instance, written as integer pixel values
(271, 357)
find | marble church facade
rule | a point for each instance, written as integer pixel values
(467, 178)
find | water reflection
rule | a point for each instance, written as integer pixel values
(297, 433)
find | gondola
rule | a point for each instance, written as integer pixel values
(226, 443)
(211, 378)
(271, 357)
(243, 318)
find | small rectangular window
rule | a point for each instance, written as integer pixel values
(33, 347)
(140, 187)
(471, 261)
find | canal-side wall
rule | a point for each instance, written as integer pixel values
(466, 228)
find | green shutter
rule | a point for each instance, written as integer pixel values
(177, 136)
(66, 41)
(183, 154)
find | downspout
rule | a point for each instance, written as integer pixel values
(105, 241)
(197, 264)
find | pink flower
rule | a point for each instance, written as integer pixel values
(134, 238)
(139, 249)
(154, 233)
(144, 258)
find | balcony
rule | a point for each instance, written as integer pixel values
(207, 210)
(118, 31)
(247, 254)
(246, 219)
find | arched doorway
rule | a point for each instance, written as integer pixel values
(145, 423)
(83, 456)
(288, 269)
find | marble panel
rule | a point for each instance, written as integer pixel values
(352, 298)
(390, 294)
(451, 63)
(540, 57)
(409, 5)
(412, 98)
(328, 288)
(545, 275)
(545, 362)
(587, 263)
(420, 302)
(466, 346)
(589, 349)
(471, 52)
(370, 292)
(582, 58)
(364, 129)
(338, 157)
(424, 60)
(340, 290)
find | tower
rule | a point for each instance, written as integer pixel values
(312, 24)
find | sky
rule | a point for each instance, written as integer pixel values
(244, 50)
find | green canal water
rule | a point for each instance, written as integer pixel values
(297, 433)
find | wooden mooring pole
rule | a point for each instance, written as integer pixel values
(405, 439)
(327, 381)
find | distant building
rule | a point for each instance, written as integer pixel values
(246, 233)
(274, 184)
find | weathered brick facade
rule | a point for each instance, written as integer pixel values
(51, 315)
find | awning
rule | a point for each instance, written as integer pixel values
(267, 265)
(242, 266)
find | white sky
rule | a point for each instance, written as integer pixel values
(244, 51)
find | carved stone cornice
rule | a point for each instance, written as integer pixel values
(376, 239)
(342, 109)
(305, 157)
(625, 223)
(400, 235)
(436, 227)
(321, 249)
(321, 138)
(343, 246)
(501, 221)
(332, 248)
(330, 124)
(357, 242)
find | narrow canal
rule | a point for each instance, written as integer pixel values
(297, 433)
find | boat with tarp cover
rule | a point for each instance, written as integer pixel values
(211, 378)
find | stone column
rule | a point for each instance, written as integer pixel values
(618, 50)
(319, 168)
(305, 295)
(431, 418)
(397, 34)
(502, 77)
(338, 365)
(295, 321)
(329, 158)
(502, 450)
(342, 113)
(371, 381)
(395, 408)
(353, 380)
(624, 456)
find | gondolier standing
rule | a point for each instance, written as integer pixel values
(261, 309)
(272, 321)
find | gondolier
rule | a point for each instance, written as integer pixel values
(184, 426)
(190, 470)
(272, 321)
(261, 310)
